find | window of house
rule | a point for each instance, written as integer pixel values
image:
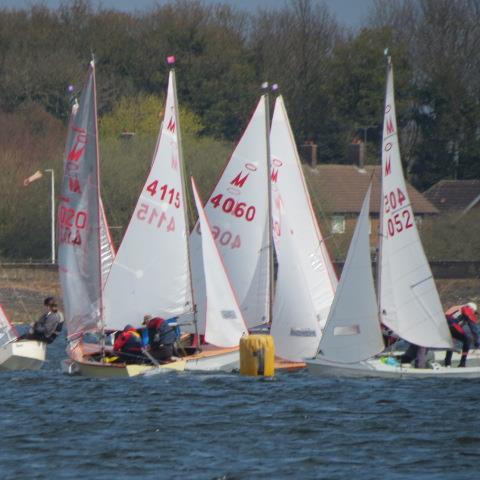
(338, 224)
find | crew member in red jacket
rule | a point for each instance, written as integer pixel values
(129, 345)
(459, 317)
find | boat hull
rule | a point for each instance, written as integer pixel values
(22, 355)
(376, 368)
(288, 366)
(209, 360)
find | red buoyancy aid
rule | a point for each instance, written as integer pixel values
(128, 341)
(458, 314)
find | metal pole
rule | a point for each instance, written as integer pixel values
(52, 192)
(269, 183)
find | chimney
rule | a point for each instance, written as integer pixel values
(356, 153)
(309, 149)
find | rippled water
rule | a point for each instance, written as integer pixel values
(230, 427)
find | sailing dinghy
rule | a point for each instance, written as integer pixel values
(150, 273)
(18, 354)
(408, 301)
(306, 280)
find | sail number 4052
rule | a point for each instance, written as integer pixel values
(229, 205)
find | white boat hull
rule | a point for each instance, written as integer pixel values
(376, 368)
(22, 355)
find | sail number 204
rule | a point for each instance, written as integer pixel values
(400, 215)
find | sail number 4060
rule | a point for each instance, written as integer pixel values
(229, 205)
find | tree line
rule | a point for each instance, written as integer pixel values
(332, 79)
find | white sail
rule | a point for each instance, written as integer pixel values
(224, 321)
(107, 250)
(79, 261)
(237, 212)
(150, 273)
(7, 330)
(409, 301)
(305, 269)
(352, 333)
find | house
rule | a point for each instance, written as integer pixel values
(338, 191)
(454, 196)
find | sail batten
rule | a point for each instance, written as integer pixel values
(409, 301)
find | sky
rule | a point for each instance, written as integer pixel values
(348, 12)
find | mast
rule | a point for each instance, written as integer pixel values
(102, 320)
(171, 61)
(266, 99)
(380, 211)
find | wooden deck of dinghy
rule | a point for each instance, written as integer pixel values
(287, 365)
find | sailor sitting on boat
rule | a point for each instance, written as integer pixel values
(48, 326)
(128, 345)
(162, 337)
(458, 317)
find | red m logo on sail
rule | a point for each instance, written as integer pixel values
(274, 176)
(388, 167)
(75, 153)
(74, 185)
(390, 128)
(238, 181)
(171, 125)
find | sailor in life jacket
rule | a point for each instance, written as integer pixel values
(128, 345)
(162, 337)
(458, 318)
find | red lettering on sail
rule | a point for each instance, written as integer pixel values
(274, 176)
(390, 127)
(171, 125)
(76, 153)
(239, 181)
(174, 163)
(388, 167)
(74, 185)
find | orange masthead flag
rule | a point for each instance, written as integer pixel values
(36, 176)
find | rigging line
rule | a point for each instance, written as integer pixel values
(318, 207)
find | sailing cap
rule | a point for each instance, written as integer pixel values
(473, 306)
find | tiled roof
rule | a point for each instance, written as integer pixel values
(454, 194)
(341, 189)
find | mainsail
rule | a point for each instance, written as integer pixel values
(79, 217)
(352, 332)
(238, 214)
(150, 273)
(306, 280)
(224, 321)
(409, 301)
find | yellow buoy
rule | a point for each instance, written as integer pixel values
(257, 355)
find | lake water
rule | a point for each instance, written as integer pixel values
(219, 426)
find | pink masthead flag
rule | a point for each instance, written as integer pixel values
(36, 176)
